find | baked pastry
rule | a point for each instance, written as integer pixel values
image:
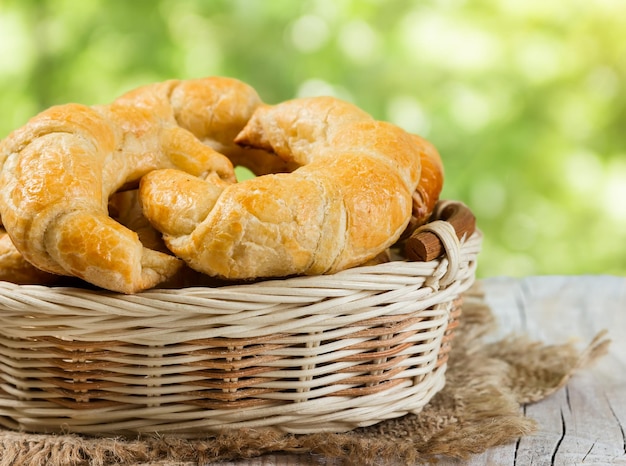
(429, 188)
(124, 207)
(58, 171)
(15, 269)
(349, 200)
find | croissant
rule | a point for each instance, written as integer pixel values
(429, 187)
(58, 171)
(123, 207)
(348, 201)
(15, 269)
(425, 195)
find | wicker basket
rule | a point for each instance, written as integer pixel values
(303, 355)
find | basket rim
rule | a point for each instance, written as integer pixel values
(296, 305)
(369, 275)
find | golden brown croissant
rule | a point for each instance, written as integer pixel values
(59, 170)
(124, 207)
(350, 199)
(15, 269)
(263, 162)
(430, 185)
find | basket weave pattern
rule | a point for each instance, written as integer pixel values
(304, 354)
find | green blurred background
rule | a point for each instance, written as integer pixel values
(525, 99)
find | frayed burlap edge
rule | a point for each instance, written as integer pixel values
(479, 408)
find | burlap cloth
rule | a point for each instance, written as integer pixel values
(480, 407)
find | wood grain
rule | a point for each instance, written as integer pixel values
(585, 422)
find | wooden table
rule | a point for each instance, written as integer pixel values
(583, 423)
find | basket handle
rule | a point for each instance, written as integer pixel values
(425, 246)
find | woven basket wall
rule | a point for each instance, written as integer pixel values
(306, 354)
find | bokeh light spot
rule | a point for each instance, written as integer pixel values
(603, 82)
(470, 109)
(430, 36)
(406, 112)
(16, 46)
(318, 87)
(540, 58)
(583, 173)
(488, 197)
(358, 41)
(309, 33)
(614, 198)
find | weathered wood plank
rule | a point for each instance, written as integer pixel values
(595, 435)
(584, 422)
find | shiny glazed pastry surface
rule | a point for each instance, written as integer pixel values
(348, 201)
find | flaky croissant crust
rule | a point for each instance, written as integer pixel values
(59, 170)
(350, 198)
(334, 189)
